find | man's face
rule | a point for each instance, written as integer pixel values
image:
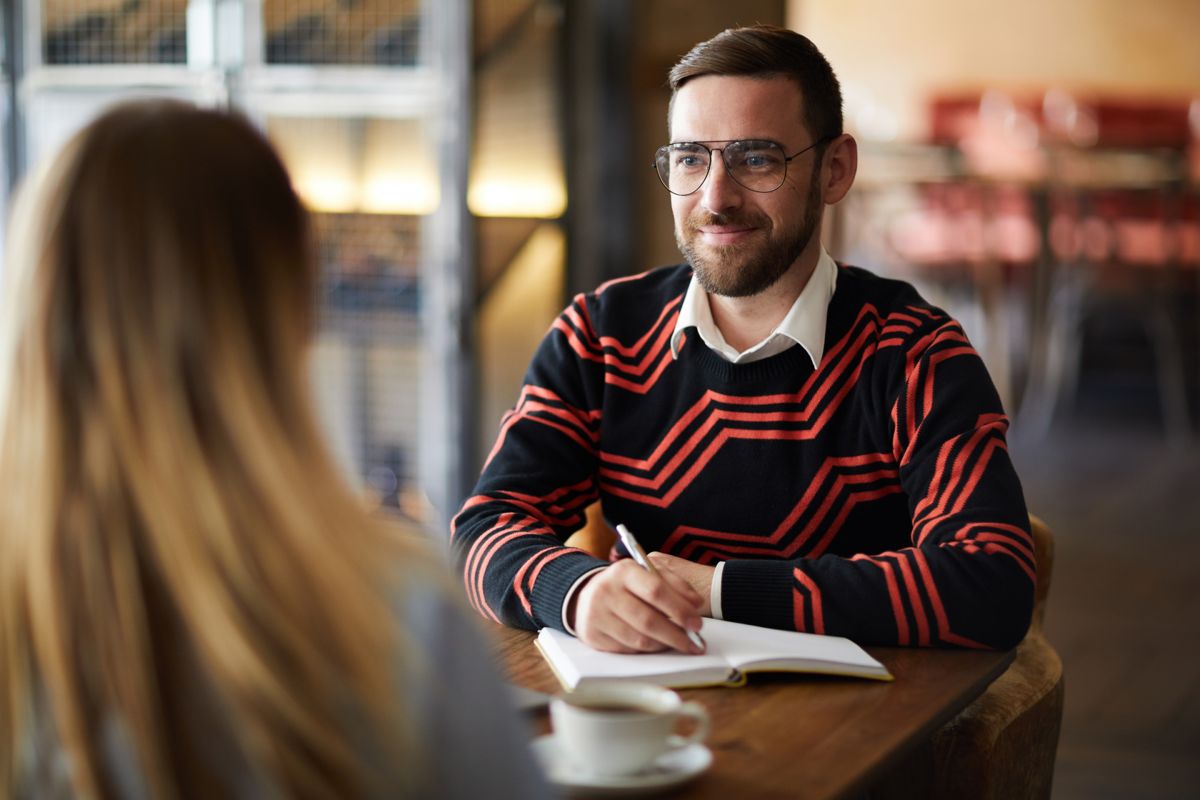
(740, 242)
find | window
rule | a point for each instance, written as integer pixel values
(363, 99)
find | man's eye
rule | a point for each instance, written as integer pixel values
(688, 161)
(758, 159)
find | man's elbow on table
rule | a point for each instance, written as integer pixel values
(1004, 611)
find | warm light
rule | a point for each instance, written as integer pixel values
(517, 163)
(397, 194)
(326, 191)
(545, 199)
(399, 169)
(373, 166)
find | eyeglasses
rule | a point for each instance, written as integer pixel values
(759, 165)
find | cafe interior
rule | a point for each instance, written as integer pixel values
(1032, 167)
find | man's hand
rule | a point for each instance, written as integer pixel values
(698, 576)
(626, 609)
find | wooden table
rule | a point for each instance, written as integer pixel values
(808, 736)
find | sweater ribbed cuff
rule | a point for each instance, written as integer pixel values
(758, 593)
(554, 583)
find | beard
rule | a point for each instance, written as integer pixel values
(748, 268)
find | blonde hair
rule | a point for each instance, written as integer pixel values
(170, 508)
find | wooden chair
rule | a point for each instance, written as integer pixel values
(595, 537)
(1004, 744)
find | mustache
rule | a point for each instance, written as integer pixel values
(699, 219)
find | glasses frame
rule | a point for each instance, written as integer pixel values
(729, 170)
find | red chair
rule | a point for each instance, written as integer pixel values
(1120, 238)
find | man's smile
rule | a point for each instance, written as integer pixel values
(724, 234)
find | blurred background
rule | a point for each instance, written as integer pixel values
(1033, 167)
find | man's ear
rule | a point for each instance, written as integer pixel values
(839, 168)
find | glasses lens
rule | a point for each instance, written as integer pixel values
(682, 167)
(756, 164)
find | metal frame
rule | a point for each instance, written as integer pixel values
(218, 74)
(451, 395)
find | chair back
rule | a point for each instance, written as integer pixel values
(1004, 744)
(1043, 554)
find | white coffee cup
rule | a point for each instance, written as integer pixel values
(621, 728)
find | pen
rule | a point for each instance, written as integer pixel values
(639, 555)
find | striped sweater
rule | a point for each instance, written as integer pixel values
(871, 498)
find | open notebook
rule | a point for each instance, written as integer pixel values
(733, 651)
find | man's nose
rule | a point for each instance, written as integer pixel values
(719, 192)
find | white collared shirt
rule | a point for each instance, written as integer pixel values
(803, 325)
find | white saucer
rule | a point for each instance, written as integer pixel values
(671, 769)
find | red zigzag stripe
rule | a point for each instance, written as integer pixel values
(827, 379)
(842, 484)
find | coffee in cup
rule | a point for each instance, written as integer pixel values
(621, 728)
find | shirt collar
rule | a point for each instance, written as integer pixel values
(804, 324)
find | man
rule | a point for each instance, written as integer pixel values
(805, 445)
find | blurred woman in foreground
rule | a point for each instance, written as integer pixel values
(192, 603)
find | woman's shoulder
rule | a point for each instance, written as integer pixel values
(451, 683)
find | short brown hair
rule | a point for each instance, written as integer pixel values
(765, 51)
